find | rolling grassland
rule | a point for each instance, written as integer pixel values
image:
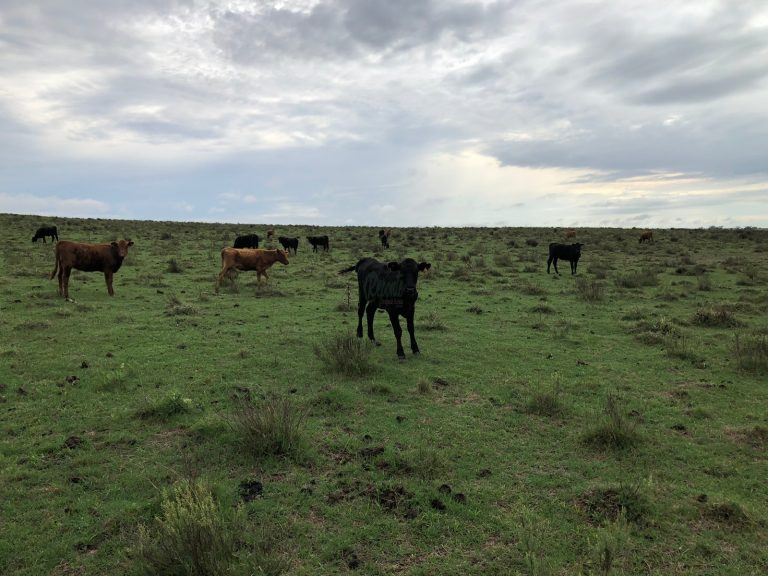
(612, 422)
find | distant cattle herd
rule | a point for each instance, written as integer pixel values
(381, 286)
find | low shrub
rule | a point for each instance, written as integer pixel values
(192, 536)
(345, 354)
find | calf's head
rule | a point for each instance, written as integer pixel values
(120, 249)
(282, 256)
(408, 271)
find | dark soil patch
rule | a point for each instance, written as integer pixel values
(440, 383)
(372, 452)
(605, 504)
(437, 504)
(459, 498)
(73, 442)
(757, 437)
(727, 514)
(250, 490)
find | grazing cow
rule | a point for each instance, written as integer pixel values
(646, 236)
(44, 231)
(390, 287)
(570, 252)
(247, 241)
(319, 241)
(570, 233)
(249, 259)
(105, 258)
(288, 243)
(384, 238)
(270, 234)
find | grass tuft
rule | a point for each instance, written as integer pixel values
(589, 290)
(346, 354)
(611, 503)
(751, 352)
(273, 427)
(716, 317)
(616, 432)
(432, 321)
(166, 407)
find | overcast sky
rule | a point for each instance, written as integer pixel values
(387, 112)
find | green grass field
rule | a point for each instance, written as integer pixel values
(614, 422)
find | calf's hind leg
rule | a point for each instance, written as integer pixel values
(395, 321)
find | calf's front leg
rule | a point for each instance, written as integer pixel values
(108, 278)
(411, 332)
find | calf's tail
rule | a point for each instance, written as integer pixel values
(350, 269)
(56, 267)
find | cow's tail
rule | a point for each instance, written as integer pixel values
(56, 267)
(350, 269)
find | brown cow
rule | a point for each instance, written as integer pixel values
(249, 259)
(646, 236)
(105, 258)
(570, 233)
(270, 234)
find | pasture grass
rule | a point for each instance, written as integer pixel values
(445, 463)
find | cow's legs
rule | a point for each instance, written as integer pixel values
(64, 281)
(395, 321)
(370, 313)
(411, 332)
(574, 263)
(553, 260)
(108, 278)
(60, 277)
(224, 271)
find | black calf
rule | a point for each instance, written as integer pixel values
(571, 252)
(390, 287)
(44, 231)
(247, 241)
(319, 241)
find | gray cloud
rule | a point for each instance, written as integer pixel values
(307, 97)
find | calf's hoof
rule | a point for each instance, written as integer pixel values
(401, 358)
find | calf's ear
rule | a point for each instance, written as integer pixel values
(394, 266)
(130, 242)
(113, 244)
(425, 266)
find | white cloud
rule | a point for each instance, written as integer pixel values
(457, 110)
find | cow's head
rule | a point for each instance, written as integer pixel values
(121, 248)
(577, 247)
(282, 256)
(408, 271)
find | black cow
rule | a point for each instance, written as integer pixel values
(384, 238)
(570, 252)
(247, 241)
(44, 231)
(288, 243)
(390, 287)
(319, 241)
